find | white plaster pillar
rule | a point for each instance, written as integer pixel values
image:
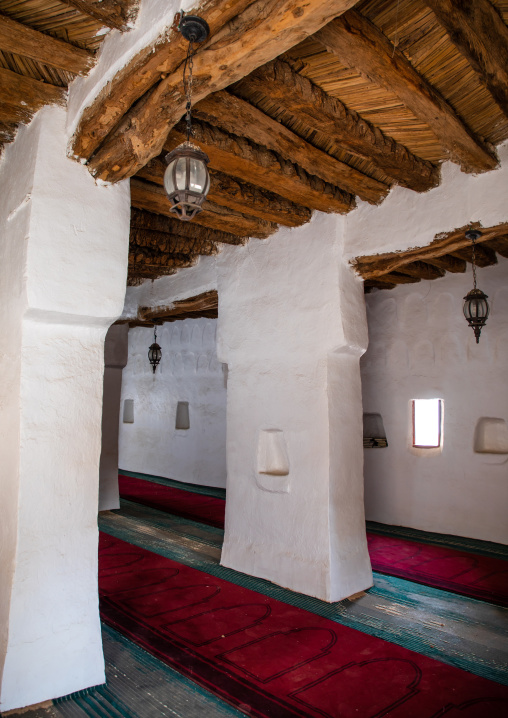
(64, 260)
(115, 358)
(292, 328)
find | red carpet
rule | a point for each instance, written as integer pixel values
(271, 659)
(469, 574)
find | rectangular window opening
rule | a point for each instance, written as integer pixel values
(427, 420)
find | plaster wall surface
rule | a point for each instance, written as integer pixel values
(407, 219)
(115, 358)
(292, 344)
(154, 19)
(420, 348)
(65, 272)
(189, 371)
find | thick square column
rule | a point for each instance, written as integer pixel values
(292, 328)
(64, 262)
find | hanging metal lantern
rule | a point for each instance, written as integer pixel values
(154, 352)
(476, 307)
(186, 179)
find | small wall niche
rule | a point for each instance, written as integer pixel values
(182, 415)
(374, 434)
(273, 461)
(128, 411)
(491, 436)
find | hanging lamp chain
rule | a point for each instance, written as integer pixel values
(473, 260)
(187, 85)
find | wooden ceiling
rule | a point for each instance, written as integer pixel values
(299, 107)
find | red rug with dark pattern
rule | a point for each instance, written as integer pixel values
(271, 659)
(469, 574)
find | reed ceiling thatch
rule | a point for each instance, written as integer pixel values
(363, 95)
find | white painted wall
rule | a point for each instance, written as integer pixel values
(189, 371)
(420, 346)
(292, 328)
(64, 265)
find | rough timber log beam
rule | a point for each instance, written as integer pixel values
(239, 117)
(154, 258)
(327, 114)
(7, 131)
(477, 30)
(484, 256)
(264, 30)
(499, 245)
(145, 195)
(145, 70)
(206, 302)
(26, 94)
(141, 219)
(378, 266)
(399, 278)
(22, 40)
(359, 44)
(239, 157)
(118, 14)
(241, 196)
(168, 243)
(421, 270)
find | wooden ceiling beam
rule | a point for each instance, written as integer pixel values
(27, 94)
(399, 278)
(478, 32)
(145, 195)
(322, 112)
(154, 258)
(484, 256)
(241, 196)
(263, 31)
(240, 118)
(140, 219)
(421, 270)
(151, 64)
(379, 265)
(168, 243)
(207, 301)
(23, 40)
(448, 263)
(117, 14)
(7, 131)
(499, 245)
(359, 44)
(377, 284)
(254, 164)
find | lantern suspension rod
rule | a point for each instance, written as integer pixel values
(187, 86)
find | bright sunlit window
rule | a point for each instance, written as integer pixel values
(427, 415)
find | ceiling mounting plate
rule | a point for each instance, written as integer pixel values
(193, 28)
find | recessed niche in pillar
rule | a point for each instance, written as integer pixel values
(128, 411)
(273, 462)
(491, 436)
(182, 415)
(374, 434)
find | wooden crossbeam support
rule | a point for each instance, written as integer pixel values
(263, 31)
(168, 243)
(484, 256)
(477, 30)
(377, 284)
(499, 245)
(318, 110)
(448, 263)
(140, 219)
(118, 14)
(257, 165)
(143, 72)
(421, 270)
(7, 131)
(359, 44)
(241, 196)
(153, 198)
(154, 258)
(399, 278)
(26, 94)
(379, 265)
(239, 117)
(205, 302)
(22, 40)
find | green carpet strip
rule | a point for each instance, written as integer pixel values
(140, 685)
(191, 488)
(460, 631)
